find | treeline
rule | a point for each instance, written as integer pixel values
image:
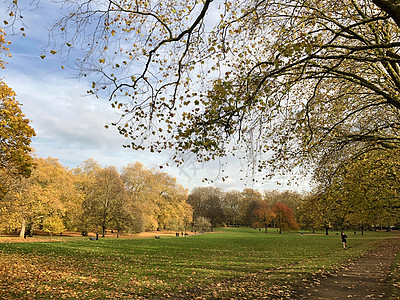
(361, 194)
(248, 208)
(92, 198)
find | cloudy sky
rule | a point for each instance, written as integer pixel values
(70, 125)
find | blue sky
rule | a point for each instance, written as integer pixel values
(70, 125)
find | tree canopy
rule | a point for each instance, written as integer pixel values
(282, 81)
(279, 82)
(363, 193)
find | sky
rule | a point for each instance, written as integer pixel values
(70, 125)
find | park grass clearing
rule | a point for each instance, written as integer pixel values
(231, 263)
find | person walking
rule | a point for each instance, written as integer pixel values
(344, 240)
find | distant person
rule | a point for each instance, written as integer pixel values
(344, 240)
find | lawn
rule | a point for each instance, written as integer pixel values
(231, 263)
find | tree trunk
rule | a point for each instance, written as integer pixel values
(23, 228)
(326, 230)
(117, 233)
(266, 228)
(103, 234)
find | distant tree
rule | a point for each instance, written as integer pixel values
(104, 202)
(319, 211)
(368, 188)
(291, 199)
(202, 224)
(84, 179)
(207, 202)
(49, 193)
(231, 202)
(53, 224)
(251, 201)
(284, 217)
(157, 196)
(142, 197)
(307, 214)
(265, 215)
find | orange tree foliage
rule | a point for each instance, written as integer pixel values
(284, 217)
(265, 215)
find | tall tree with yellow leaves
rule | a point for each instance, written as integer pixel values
(15, 131)
(45, 200)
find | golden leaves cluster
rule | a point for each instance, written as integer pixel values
(15, 129)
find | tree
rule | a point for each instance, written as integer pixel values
(291, 199)
(138, 183)
(391, 7)
(265, 215)
(45, 199)
(202, 224)
(325, 209)
(105, 201)
(158, 198)
(325, 80)
(53, 224)
(231, 205)
(284, 217)
(207, 202)
(15, 130)
(84, 180)
(368, 189)
(251, 201)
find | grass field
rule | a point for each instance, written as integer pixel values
(232, 263)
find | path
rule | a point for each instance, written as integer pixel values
(365, 278)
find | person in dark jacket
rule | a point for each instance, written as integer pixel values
(344, 240)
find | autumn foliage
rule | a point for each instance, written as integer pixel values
(15, 131)
(91, 198)
(284, 217)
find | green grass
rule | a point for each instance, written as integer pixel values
(231, 263)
